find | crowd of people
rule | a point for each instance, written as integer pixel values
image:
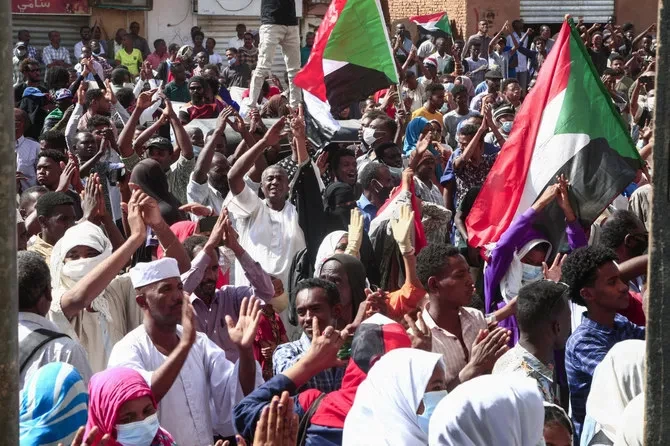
(178, 289)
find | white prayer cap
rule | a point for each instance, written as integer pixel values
(151, 272)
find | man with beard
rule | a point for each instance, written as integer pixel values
(269, 229)
(199, 108)
(210, 304)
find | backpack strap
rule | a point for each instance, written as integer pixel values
(306, 421)
(35, 341)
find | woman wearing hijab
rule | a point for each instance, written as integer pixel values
(123, 406)
(558, 428)
(467, 83)
(149, 176)
(97, 319)
(415, 129)
(518, 257)
(616, 381)
(490, 410)
(54, 405)
(394, 404)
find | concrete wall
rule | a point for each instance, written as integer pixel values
(465, 14)
(171, 21)
(112, 19)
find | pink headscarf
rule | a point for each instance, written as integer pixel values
(467, 83)
(108, 391)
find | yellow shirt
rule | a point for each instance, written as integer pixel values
(437, 116)
(132, 60)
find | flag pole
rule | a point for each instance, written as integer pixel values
(9, 370)
(657, 395)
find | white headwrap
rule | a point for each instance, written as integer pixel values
(616, 381)
(64, 278)
(502, 409)
(511, 282)
(327, 249)
(384, 411)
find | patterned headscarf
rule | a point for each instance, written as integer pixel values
(54, 405)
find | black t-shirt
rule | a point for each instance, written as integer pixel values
(236, 76)
(278, 12)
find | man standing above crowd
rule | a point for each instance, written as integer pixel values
(139, 42)
(236, 74)
(55, 55)
(269, 229)
(159, 55)
(480, 37)
(522, 64)
(129, 56)
(445, 63)
(85, 33)
(279, 26)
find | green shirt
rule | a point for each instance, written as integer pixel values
(132, 60)
(177, 93)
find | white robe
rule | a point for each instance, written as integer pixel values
(207, 384)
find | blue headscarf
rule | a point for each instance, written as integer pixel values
(414, 129)
(54, 405)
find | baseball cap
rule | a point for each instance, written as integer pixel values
(160, 142)
(33, 91)
(63, 93)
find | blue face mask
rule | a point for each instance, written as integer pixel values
(430, 401)
(531, 273)
(506, 127)
(139, 433)
(232, 61)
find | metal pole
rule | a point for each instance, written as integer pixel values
(9, 374)
(657, 412)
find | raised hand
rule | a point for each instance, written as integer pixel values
(419, 333)
(222, 120)
(81, 93)
(243, 332)
(298, 123)
(322, 353)
(422, 145)
(230, 237)
(89, 202)
(151, 213)
(356, 228)
(322, 162)
(553, 273)
(278, 424)
(197, 209)
(188, 323)
(274, 135)
(403, 229)
(563, 197)
(66, 176)
(487, 348)
(137, 226)
(109, 93)
(144, 100)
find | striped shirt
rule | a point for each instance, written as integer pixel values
(456, 355)
(586, 348)
(49, 54)
(286, 355)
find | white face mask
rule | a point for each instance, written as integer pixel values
(129, 85)
(77, 269)
(369, 136)
(139, 433)
(280, 303)
(531, 273)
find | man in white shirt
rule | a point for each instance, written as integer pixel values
(34, 284)
(188, 374)
(26, 152)
(238, 40)
(522, 65)
(445, 63)
(269, 229)
(426, 48)
(214, 58)
(85, 33)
